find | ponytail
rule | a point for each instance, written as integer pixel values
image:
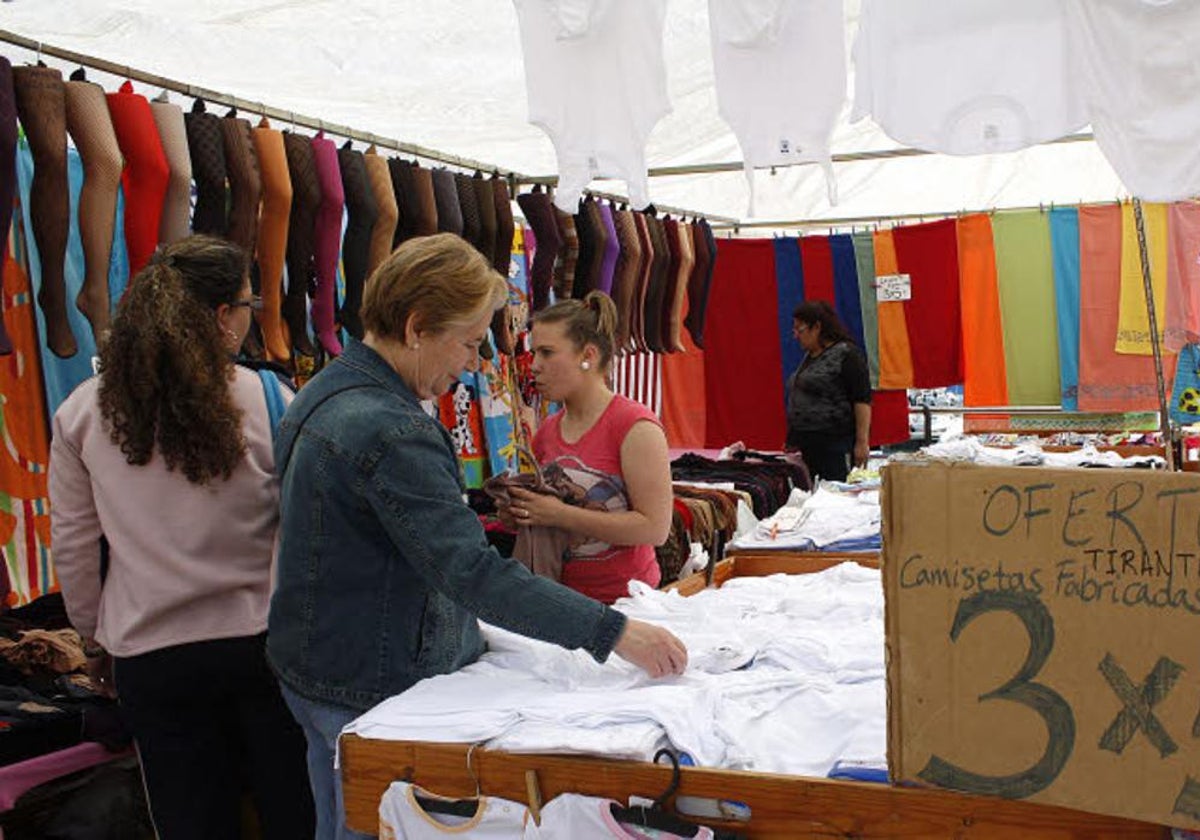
(592, 320)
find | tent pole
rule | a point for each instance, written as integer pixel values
(1152, 319)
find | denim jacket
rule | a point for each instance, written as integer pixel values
(382, 568)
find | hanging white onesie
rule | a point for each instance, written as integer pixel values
(570, 816)
(780, 69)
(597, 85)
(1139, 65)
(966, 77)
(401, 817)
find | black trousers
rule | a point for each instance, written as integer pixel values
(825, 455)
(210, 722)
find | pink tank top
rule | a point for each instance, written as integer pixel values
(593, 464)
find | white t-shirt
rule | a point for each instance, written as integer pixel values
(966, 77)
(1138, 66)
(597, 85)
(401, 817)
(780, 71)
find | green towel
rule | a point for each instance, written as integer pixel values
(864, 258)
(1025, 274)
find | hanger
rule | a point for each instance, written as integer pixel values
(467, 807)
(654, 816)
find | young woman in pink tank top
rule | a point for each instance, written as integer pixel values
(611, 449)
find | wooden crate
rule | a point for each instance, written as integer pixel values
(781, 806)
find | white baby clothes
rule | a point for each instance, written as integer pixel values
(597, 85)
(402, 817)
(1138, 62)
(968, 77)
(570, 816)
(780, 72)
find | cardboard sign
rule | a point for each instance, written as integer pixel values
(1043, 635)
(891, 287)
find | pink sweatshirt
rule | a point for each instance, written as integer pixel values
(187, 562)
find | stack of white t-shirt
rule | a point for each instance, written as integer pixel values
(829, 515)
(786, 674)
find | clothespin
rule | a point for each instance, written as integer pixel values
(534, 793)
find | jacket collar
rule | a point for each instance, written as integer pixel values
(367, 361)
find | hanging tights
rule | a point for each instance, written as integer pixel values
(41, 105)
(272, 237)
(327, 236)
(407, 204)
(426, 222)
(385, 203)
(659, 267)
(306, 198)
(637, 321)
(537, 209)
(445, 194)
(207, 151)
(356, 245)
(485, 202)
(245, 181)
(177, 208)
(145, 175)
(92, 131)
(625, 278)
(8, 176)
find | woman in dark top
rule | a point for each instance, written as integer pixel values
(829, 395)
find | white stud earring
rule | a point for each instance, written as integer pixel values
(417, 345)
(586, 365)
(231, 333)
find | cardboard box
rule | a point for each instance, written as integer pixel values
(1043, 634)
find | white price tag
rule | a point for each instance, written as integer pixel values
(890, 287)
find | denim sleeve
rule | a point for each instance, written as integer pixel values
(414, 490)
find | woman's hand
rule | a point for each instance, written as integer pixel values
(656, 651)
(529, 508)
(862, 451)
(100, 672)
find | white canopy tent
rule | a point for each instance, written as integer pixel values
(449, 76)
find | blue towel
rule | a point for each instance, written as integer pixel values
(845, 286)
(789, 283)
(1064, 240)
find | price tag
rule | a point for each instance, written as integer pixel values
(892, 287)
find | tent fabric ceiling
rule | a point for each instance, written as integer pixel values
(450, 76)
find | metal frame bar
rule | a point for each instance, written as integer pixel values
(291, 117)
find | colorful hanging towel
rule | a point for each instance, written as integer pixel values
(818, 268)
(683, 409)
(889, 418)
(1064, 242)
(1183, 275)
(789, 282)
(1185, 396)
(460, 413)
(498, 408)
(1025, 273)
(864, 258)
(1108, 381)
(1133, 325)
(985, 380)
(929, 255)
(845, 285)
(895, 355)
(24, 499)
(741, 349)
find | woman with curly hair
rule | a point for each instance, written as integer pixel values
(167, 455)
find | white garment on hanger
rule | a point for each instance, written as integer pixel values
(401, 817)
(781, 79)
(1139, 66)
(966, 77)
(597, 85)
(570, 816)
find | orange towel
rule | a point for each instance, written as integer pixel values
(985, 380)
(895, 357)
(683, 408)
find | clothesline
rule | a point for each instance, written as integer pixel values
(294, 119)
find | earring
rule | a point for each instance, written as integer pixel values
(231, 333)
(586, 365)
(417, 345)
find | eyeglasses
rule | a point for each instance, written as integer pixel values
(799, 328)
(254, 302)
